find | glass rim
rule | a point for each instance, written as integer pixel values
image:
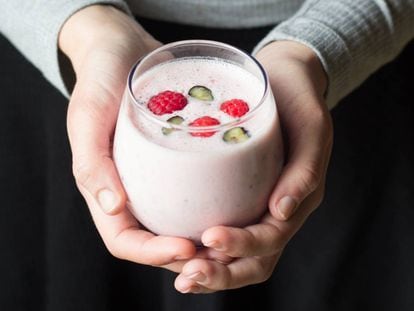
(189, 128)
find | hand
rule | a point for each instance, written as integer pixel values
(102, 44)
(298, 82)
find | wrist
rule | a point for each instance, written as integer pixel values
(96, 27)
(82, 29)
(278, 51)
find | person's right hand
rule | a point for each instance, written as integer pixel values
(102, 44)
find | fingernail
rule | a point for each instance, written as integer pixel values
(286, 207)
(107, 200)
(214, 244)
(198, 276)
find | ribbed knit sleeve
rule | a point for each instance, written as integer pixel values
(352, 38)
(33, 27)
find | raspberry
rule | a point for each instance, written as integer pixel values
(204, 121)
(235, 107)
(166, 102)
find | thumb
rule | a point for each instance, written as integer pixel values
(91, 122)
(309, 139)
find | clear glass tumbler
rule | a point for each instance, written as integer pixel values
(191, 184)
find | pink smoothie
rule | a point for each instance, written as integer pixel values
(181, 185)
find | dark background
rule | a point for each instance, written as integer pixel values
(354, 253)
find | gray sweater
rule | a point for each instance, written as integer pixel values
(352, 38)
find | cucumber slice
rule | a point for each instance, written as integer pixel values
(201, 92)
(177, 120)
(236, 135)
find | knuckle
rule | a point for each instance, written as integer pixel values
(212, 274)
(319, 114)
(329, 128)
(146, 254)
(264, 272)
(82, 172)
(264, 277)
(245, 246)
(226, 282)
(272, 238)
(217, 278)
(244, 250)
(322, 119)
(154, 261)
(328, 131)
(319, 198)
(310, 178)
(318, 110)
(276, 244)
(114, 250)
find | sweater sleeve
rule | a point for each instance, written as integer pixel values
(33, 27)
(352, 38)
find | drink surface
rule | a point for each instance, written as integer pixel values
(225, 80)
(180, 184)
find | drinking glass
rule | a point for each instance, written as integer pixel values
(182, 191)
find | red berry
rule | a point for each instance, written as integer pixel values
(235, 107)
(166, 102)
(204, 121)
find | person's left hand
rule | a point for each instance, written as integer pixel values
(299, 83)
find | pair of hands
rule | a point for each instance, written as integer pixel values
(102, 44)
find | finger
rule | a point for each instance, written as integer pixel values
(142, 247)
(263, 239)
(288, 228)
(91, 122)
(308, 157)
(204, 276)
(212, 254)
(125, 239)
(201, 275)
(176, 266)
(204, 253)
